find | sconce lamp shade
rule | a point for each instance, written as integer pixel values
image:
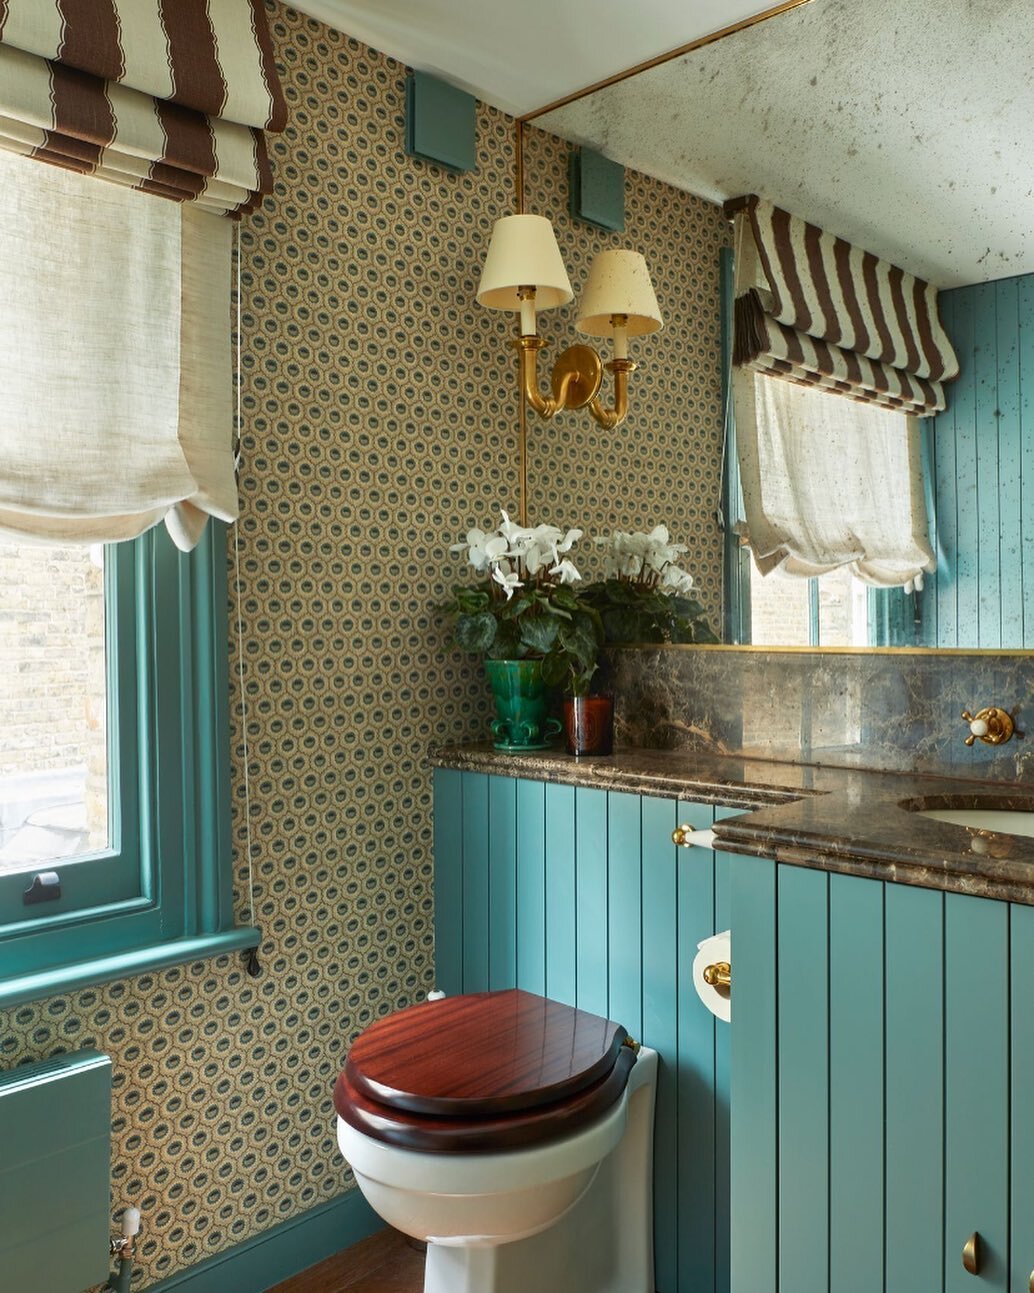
(619, 283)
(523, 253)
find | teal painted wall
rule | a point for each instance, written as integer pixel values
(580, 894)
(981, 462)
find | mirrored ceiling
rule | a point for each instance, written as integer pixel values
(904, 128)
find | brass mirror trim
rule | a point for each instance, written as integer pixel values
(666, 57)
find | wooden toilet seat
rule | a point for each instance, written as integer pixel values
(483, 1072)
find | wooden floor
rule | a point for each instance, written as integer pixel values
(384, 1263)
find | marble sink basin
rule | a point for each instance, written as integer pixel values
(1003, 821)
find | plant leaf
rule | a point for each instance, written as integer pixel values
(476, 632)
(539, 632)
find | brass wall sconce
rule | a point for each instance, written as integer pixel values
(525, 272)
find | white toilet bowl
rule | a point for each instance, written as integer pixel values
(571, 1213)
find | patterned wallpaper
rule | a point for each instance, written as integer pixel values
(663, 464)
(380, 413)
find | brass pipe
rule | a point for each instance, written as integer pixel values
(658, 59)
(522, 404)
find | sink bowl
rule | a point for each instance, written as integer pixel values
(1004, 821)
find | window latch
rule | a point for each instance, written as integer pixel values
(45, 887)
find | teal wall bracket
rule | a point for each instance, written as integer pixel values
(596, 190)
(440, 123)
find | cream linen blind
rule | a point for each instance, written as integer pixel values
(815, 310)
(115, 391)
(169, 96)
(829, 482)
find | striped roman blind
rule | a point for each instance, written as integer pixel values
(172, 97)
(813, 309)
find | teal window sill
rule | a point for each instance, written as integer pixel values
(123, 965)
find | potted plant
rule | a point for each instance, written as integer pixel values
(524, 617)
(644, 595)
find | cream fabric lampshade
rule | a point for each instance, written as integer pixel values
(619, 283)
(523, 253)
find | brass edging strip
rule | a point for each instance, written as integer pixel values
(1009, 652)
(658, 59)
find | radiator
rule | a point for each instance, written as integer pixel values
(55, 1173)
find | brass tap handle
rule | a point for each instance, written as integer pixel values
(993, 726)
(718, 975)
(680, 836)
(971, 1254)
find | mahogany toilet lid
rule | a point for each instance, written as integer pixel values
(483, 1054)
(480, 1073)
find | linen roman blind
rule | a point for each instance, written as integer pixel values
(813, 309)
(169, 96)
(115, 365)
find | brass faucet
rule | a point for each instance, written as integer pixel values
(993, 726)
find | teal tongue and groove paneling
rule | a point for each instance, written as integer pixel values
(980, 455)
(55, 1168)
(580, 894)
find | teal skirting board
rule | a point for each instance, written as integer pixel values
(277, 1254)
(580, 894)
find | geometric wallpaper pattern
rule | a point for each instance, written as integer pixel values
(379, 424)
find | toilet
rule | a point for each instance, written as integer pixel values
(514, 1134)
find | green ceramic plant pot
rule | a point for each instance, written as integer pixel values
(521, 701)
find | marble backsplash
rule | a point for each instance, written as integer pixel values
(881, 710)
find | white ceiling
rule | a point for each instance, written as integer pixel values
(906, 126)
(523, 54)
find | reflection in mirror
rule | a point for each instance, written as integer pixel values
(821, 110)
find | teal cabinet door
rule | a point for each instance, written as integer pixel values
(882, 1060)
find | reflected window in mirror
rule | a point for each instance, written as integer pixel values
(774, 602)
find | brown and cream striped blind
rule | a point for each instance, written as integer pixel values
(813, 309)
(172, 97)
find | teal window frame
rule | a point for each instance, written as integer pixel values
(162, 893)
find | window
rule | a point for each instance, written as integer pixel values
(129, 805)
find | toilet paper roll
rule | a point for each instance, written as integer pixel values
(716, 948)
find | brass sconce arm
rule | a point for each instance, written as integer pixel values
(576, 378)
(610, 418)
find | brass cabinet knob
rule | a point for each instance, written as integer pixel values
(971, 1254)
(993, 726)
(1030, 1282)
(718, 975)
(680, 836)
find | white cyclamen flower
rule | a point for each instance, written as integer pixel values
(508, 580)
(512, 532)
(676, 580)
(482, 549)
(566, 571)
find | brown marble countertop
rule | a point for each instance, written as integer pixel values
(832, 819)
